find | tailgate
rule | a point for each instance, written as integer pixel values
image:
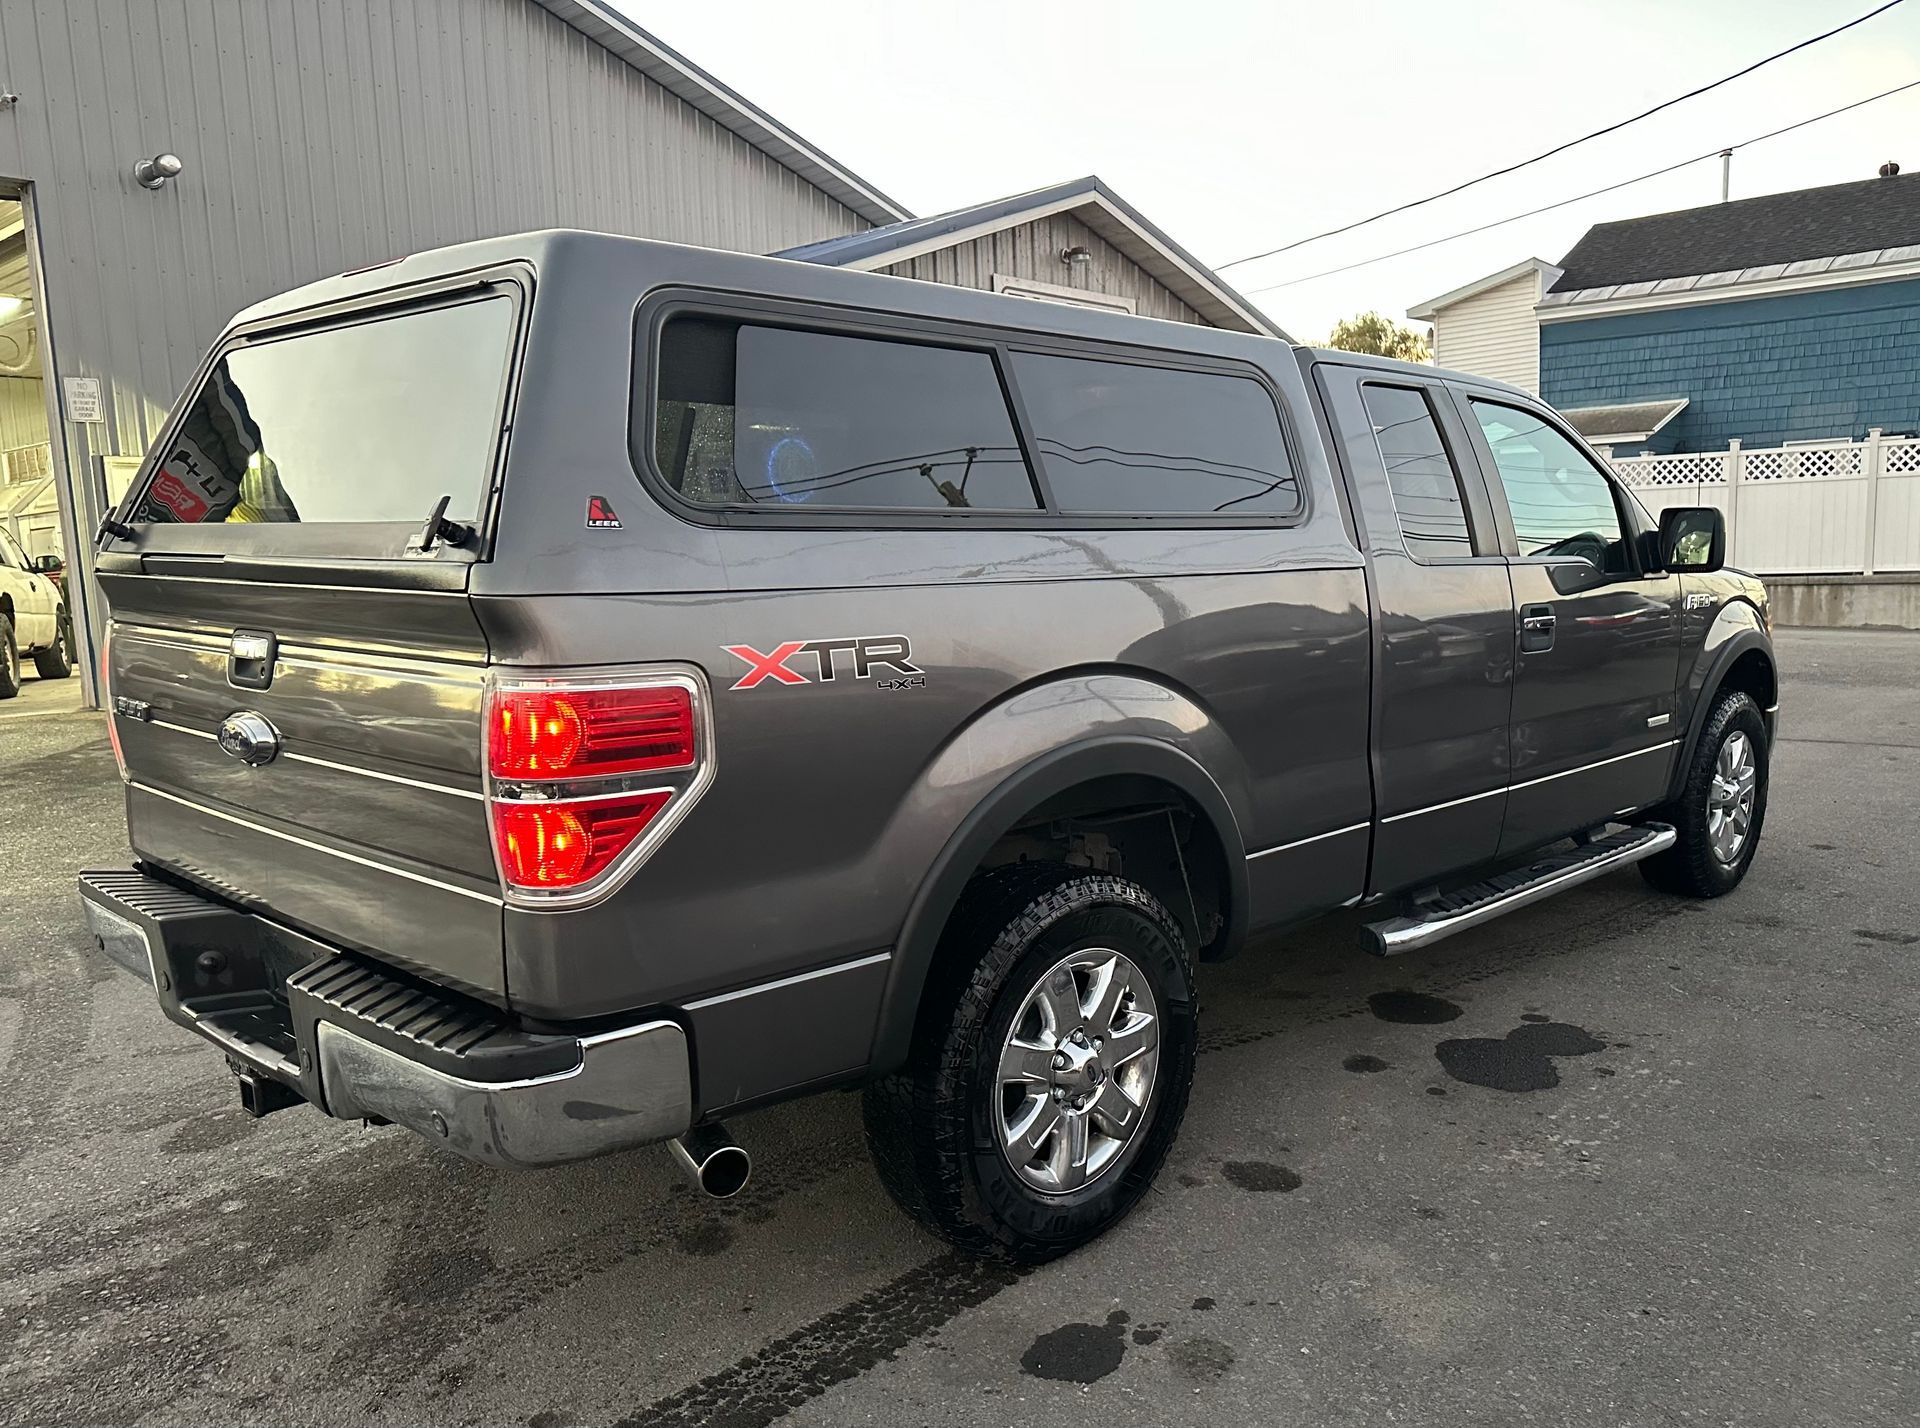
(366, 825)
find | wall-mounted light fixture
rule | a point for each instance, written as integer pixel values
(154, 172)
(1076, 255)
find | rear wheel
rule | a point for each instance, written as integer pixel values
(52, 662)
(1721, 806)
(1050, 1069)
(9, 660)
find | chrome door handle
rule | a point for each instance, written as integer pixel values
(1536, 628)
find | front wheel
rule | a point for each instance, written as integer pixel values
(1050, 1067)
(52, 662)
(1722, 803)
(9, 660)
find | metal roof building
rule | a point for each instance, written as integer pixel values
(318, 136)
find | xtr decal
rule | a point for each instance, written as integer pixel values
(865, 655)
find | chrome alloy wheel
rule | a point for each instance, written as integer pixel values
(1077, 1070)
(1730, 800)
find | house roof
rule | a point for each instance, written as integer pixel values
(1776, 228)
(601, 22)
(1426, 311)
(1623, 421)
(1088, 199)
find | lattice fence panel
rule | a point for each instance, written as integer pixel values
(1686, 469)
(1809, 463)
(1900, 458)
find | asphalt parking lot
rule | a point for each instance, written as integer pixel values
(1619, 1159)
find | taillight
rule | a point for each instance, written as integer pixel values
(586, 773)
(571, 733)
(561, 845)
(106, 701)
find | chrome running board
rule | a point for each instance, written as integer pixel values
(1508, 892)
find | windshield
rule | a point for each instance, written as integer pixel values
(369, 422)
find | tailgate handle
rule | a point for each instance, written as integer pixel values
(250, 656)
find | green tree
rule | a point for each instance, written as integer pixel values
(1383, 337)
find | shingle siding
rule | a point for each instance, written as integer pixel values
(1796, 367)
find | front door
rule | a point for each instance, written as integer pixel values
(1596, 638)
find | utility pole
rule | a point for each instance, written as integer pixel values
(1726, 173)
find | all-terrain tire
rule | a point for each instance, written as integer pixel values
(52, 662)
(1691, 867)
(933, 1126)
(9, 660)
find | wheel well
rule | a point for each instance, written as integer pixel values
(1136, 826)
(6, 606)
(1752, 674)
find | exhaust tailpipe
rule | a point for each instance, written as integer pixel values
(714, 1161)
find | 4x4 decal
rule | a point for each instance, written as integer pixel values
(867, 654)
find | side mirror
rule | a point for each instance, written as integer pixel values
(48, 564)
(1693, 539)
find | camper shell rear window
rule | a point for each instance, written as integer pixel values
(367, 421)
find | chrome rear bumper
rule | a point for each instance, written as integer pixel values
(630, 1088)
(359, 1042)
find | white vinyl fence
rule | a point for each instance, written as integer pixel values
(1827, 508)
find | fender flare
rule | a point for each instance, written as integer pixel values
(1052, 773)
(1744, 640)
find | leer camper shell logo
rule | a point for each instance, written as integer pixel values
(600, 516)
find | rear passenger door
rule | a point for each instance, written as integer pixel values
(1443, 639)
(1597, 637)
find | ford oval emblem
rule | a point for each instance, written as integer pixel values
(249, 738)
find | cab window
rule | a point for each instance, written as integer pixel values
(1561, 505)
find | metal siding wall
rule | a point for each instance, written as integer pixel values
(1032, 251)
(319, 136)
(23, 412)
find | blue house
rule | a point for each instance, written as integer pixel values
(1791, 317)
(1786, 318)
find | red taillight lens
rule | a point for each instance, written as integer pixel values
(562, 845)
(587, 771)
(590, 733)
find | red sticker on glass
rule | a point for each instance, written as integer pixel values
(173, 493)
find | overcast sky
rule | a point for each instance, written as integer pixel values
(1237, 126)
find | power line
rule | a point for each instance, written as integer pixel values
(1581, 198)
(1558, 148)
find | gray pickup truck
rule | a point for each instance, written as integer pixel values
(573, 689)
